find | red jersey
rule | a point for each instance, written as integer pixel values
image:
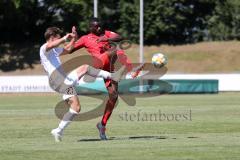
(89, 42)
(96, 49)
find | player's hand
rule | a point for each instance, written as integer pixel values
(68, 36)
(102, 39)
(74, 31)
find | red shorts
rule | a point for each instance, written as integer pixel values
(103, 62)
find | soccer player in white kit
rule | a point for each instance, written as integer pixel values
(59, 81)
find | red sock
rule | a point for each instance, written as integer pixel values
(108, 111)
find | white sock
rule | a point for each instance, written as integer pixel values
(67, 119)
(98, 73)
(104, 74)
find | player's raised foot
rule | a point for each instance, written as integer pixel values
(137, 70)
(57, 135)
(101, 130)
(117, 75)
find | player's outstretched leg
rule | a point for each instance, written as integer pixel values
(86, 69)
(135, 72)
(123, 59)
(116, 76)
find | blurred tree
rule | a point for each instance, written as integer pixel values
(9, 21)
(23, 22)
(74, 12)
(28, 19)
(224, 24)
(171, 21)
(129, 19)
(109, 13)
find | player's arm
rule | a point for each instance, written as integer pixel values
(69, 47)
(53, 44)
(78, 43)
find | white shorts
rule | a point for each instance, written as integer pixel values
(71, 79)
(64, 83)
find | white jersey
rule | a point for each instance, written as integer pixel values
(50, 59)
(51, 62)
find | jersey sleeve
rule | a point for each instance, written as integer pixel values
(79, 43)
(58, 51)
(43, 48)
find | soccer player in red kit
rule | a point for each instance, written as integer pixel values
(98, 46)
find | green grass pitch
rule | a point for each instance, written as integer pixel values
(204, 127)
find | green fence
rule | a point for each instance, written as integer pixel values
(131, 86)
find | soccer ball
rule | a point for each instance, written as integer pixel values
(159, 60)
